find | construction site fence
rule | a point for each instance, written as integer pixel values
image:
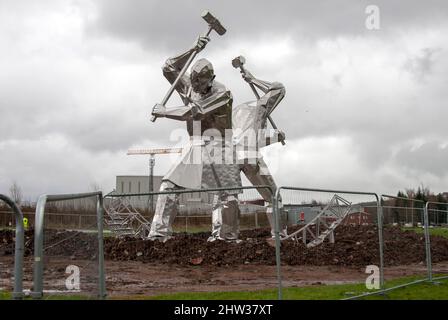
(68, 221)
(38, 272)
(18, 248)
(379, 207)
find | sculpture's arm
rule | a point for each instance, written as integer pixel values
(273, 136)
(272, 98)
(171, 70)
(274, 92)
(177, 113)
(196, 110)
(211, 104)
(173, 67)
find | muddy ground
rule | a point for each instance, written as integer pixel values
(190, 263)
(132, 279)
(355, 246)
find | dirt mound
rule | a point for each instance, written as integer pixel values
(56, 243)
(355, 246)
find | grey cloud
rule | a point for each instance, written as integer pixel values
(45, 101)
(429, 157)
(114, 132)
(28, 116)
(158, 24)
(422, 65)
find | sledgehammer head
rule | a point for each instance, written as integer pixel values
(238, 62)
(213, 23)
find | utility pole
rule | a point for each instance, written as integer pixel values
(152, 163)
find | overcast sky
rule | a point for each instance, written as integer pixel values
(364, 109)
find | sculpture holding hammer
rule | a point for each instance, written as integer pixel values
(207, 112)
(250, 134)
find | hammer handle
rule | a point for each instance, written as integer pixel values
(181, 73)
(258, 97)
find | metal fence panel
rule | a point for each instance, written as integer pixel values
(68, 262)
(18, 247)
(168, 258)
(333, 204)
(403, 244)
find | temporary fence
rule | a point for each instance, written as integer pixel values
(440, 215)
(387, 212)
(19, 247)
(399, 212)
(82, 269)
(325, 199)
(138, 242)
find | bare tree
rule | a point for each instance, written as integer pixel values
(16, 193)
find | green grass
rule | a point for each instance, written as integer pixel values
(443, 232)
(323, 292)
(5, 295)
(421, 291)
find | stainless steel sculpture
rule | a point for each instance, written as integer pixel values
(249, 131)
(213, 24)
(205, 162)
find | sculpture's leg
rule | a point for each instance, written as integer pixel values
(216, 219)
(166, 211)
(225, 218)
(258, 174)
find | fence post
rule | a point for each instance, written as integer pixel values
(380, 238)
(38, 248)
(277, 242)
(38, 239)
(19, 248)
(100, 221)
(427, 242)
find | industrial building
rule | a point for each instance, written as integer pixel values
(194, 202)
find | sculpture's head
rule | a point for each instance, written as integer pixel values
(202, 76)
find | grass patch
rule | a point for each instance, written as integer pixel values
(323, 292)
(438, 231)
(5, 295)
(421, 291)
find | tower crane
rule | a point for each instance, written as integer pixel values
(152, 162)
